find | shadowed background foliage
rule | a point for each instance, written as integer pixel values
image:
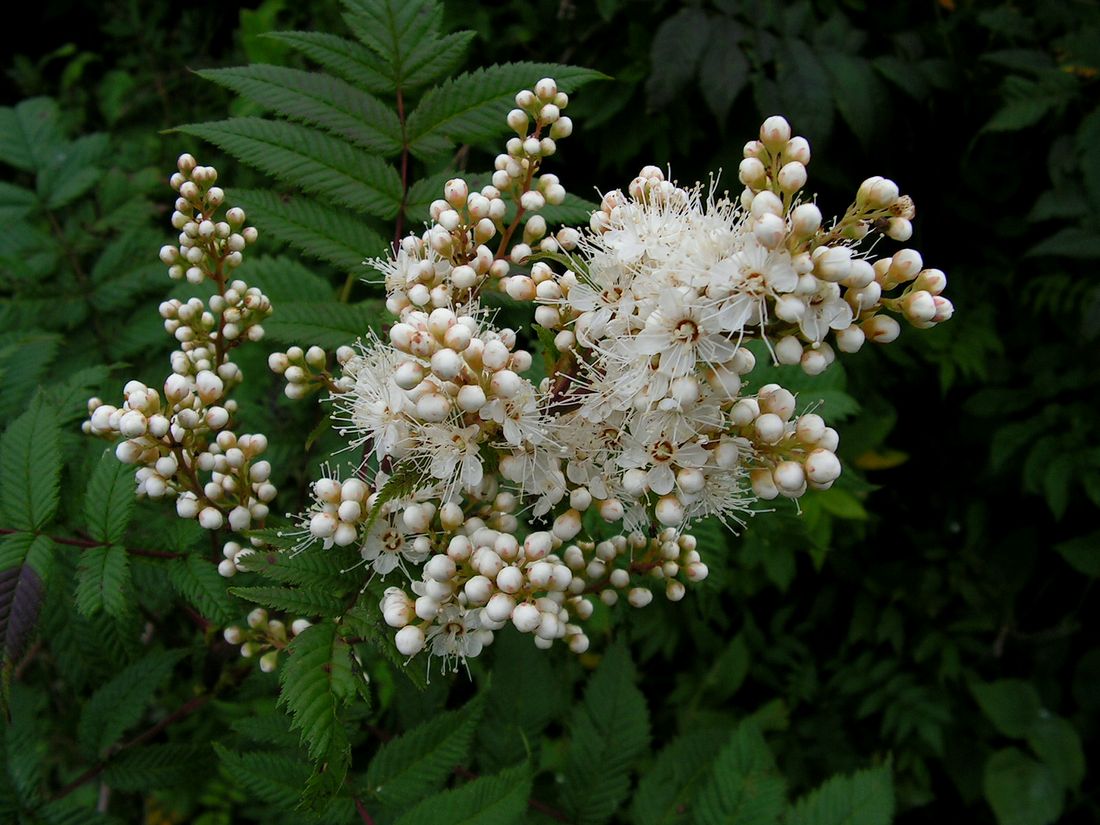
(936, 612)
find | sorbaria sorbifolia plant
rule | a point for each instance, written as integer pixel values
(489, 494)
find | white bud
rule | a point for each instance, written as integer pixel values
(409, 640)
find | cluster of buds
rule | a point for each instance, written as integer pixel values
(206, 245)
(449, 263)
(641, 427)
(306, 371)
(182, 438)
(263, 637)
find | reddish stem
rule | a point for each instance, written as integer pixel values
(88, 543)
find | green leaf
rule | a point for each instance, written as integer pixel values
(857, 92)
(1070, 242)
(24, 366)
(15, 202)
(285, 280)
(350, 60)
(436, 58)
(316, 99)
(1082, 554)
(524, 697)
(413, 765)
(1020, 113)
(608, 732)
(472, 106)
(305, 158)
(29, 133)
(30, 468)
(198, 581)
(120, 703)
(316, 681)
(328, 325)
(25, 561)
(803, 88)
(72, 170)
(109, 499)
(666, 788)
(274, 778)
(678, 45)
(864, 798)
(151, 767)
(1088, 149)
(489, 800)
(103, 581)
(745, 786)
(324, 232)
(1057, 743)
(1012, 705)
(400, 32)
(1020, 790)
(300, 601)
(723, 69)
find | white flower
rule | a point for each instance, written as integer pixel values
(452, 454)
(455, 636)
(661, 456)
(746, 280)
(684, 333)
(826, 310)
(386, 548)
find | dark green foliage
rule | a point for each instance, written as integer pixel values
(921, 633)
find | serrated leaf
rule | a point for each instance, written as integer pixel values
(316, 99)
(25, 561)
(103, 581)
(396, 31)
(864, 798)
(23, 366)
(857, 92)
(315, 682)
(30, 468)
(472, 106)
(152, 767)
(608, 732)
(284, 280)
(413, 765)
(274, 778)
(29, 133)
(323, 232)
(198, 581)
(327, 325)
(745, 785)
(802, 84)
(723, 69)
(1020, 790)
(109, 499)
(436, 58)
(120, 703)
(488, 800)
(350, 60)
(678, 45)
(301, 601)
(318, 164)
(666, 788)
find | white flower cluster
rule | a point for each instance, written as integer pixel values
(182, 437)
(641, 426)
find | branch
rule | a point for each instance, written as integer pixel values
(182, 712)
